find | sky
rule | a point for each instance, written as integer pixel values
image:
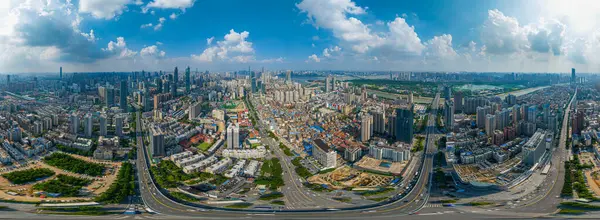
(363, 35)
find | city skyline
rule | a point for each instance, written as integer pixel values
(124, 35)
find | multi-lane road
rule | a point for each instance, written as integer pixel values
(157, 203)
(161, 207)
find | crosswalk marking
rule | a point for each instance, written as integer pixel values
(431, 205)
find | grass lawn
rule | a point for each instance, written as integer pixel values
(204, 146)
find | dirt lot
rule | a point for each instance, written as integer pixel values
(374, 164)
(25, 191)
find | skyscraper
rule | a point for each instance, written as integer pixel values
(119, 125)
(404, 124)
(175, 76)
(110, 97)
(482, 113)
(365, 128)
(157, 142)
(490, 124)
(60, 73)
(88, 125)
(74, 123)
(573, 75)
(174, 85)
(187, 80)
(102, 130)
(531, 113)
(328, 84)
(233, 136)
(288, 76)
(447, 92)
(449, 114)
(378, 122)
(159, 85)
(458, 101)
(194, 110)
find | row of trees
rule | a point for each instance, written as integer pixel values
(67, 162)
(26, 176)
(122, 187)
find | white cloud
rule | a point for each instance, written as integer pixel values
(502, 34)
(103, 9)
(146, 25)
(338, 16)
(273, 60)
(119, 48)
(159, 43)
(173, 16)
(440, 48)
(233, 43)
(313, 58)
(315, 38)
(138, 2)
(160, 24)
(171, 4)
(90, 37)
(209, 40)
(152, 51)
(329, 52)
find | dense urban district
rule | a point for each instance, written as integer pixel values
(304, 144)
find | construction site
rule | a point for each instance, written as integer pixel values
(345, 176)
(369, 163)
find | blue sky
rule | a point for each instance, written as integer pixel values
(401, 35)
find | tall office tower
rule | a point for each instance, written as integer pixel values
(391, 126)
(552, 123)
(524, 108)
(74, 123)
(490, 124)
(447, 92)
(573, 77)
(503, 118)
(328, 84)
(365, 128)
(194, 110)
(175, 76)
(458, 101)
(516, 116)
(119, 125)
(102, 130)
(174, 87)
(333, 83)
(60, 73)
(577, 122)
(378, 122)
(8, 79)
(233, 136)
(89, 123)
(546, 109)
(159, 85)
(166, 86)
(531, 113)
(482, 113)
(288, 76)
(110, 97)
(410, 98)
(187, 80)
(404, 124)
(253, 86)
(449, 114)
(157, 142)
(511, 99)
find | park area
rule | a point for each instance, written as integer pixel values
(345, 176)
(69, 178)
